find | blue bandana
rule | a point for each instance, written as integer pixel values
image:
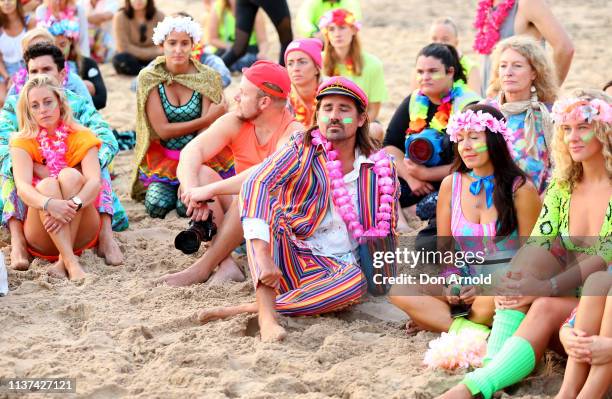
(487, 182)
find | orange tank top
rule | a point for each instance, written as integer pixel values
(247, 150)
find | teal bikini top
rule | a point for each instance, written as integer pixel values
(191, 110)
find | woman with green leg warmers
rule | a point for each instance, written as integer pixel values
(576, 225)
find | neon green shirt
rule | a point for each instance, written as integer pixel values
(467, 64)
(371, 80)
(553, 223)
(311, 11)
(227, 25)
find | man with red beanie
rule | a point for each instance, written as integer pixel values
(260, 124)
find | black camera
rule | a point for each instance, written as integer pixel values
(188, 241)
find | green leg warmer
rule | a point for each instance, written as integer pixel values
(505, 324)
(460, 324)
(513, 363)
(160, 199)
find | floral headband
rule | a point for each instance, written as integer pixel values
(580, 109)
(179, 24)
(66, 23)
(339, 17)
(66, 27)
(478, 122)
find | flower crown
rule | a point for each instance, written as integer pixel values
(179, 24)
(66, 27)
(579, 109)
(65, 23)
(339, 17)
(478, 122)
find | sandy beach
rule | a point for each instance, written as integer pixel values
(120, 336)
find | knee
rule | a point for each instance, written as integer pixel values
(597, 284)
(159, 201)
(543, 307)
(125, 64)
(483, 309)
(70, 177)
(402, 301)
(394, 299)
(207, 175)
(48, 186)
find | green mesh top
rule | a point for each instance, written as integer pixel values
(553, 222)
(182, 113)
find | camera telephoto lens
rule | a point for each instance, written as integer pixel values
(187, 241)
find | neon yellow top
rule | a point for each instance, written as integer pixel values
(311, 11)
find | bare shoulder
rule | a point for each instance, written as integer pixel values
(526, 194)
(447, 184)
(294, 127)
(531, 9)
(227, 125)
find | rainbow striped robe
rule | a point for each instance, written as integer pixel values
(291, 191)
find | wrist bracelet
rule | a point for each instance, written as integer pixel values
(554, 286)
(46, 204)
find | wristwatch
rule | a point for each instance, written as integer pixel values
(77, 201)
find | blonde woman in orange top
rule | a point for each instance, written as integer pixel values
(57, 174)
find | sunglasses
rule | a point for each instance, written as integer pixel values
(143, 33)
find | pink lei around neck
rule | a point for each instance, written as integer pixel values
(54, 147)
(342, 199)
(488, 22)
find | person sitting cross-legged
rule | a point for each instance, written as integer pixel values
(306, 209)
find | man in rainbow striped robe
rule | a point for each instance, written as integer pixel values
(299, 218)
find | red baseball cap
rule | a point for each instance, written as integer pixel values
(262, 72)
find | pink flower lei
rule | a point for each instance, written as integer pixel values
(53, 147)
(488, 22)
(68, 13)
(342, 199)
(21, 77)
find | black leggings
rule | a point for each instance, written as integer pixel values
(277, 10)
(128, 64)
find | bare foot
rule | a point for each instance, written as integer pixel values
(457, 392)
(206, 315)
(75, 271)
(20, 260)
(110, 251)
(194, 274)
(222, 312)
(271, 331)
(412, 328)
(57, 270)
(228, 271)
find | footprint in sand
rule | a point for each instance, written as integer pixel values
(107, 391)
(80, 311)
